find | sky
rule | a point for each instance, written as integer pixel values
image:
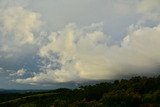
(48, 44)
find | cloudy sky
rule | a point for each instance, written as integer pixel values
(61, 43)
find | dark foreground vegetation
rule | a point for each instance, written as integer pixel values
(135, 92)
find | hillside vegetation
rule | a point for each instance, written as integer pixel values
(135, 92)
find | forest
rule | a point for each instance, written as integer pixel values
(134, 92)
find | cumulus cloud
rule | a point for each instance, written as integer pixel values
(85, 54)
(20, 26)
(18, 31)
(80, 54)
(19, 73)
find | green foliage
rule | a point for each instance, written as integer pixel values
(121, 98)
(135, 92)
(152, 97)
(28, 105)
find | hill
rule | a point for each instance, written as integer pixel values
(135, 92)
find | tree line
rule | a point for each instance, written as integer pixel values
(134, 92)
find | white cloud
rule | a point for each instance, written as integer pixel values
(18, 31)
(19, 24)
(19, 73)
(84, 55)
